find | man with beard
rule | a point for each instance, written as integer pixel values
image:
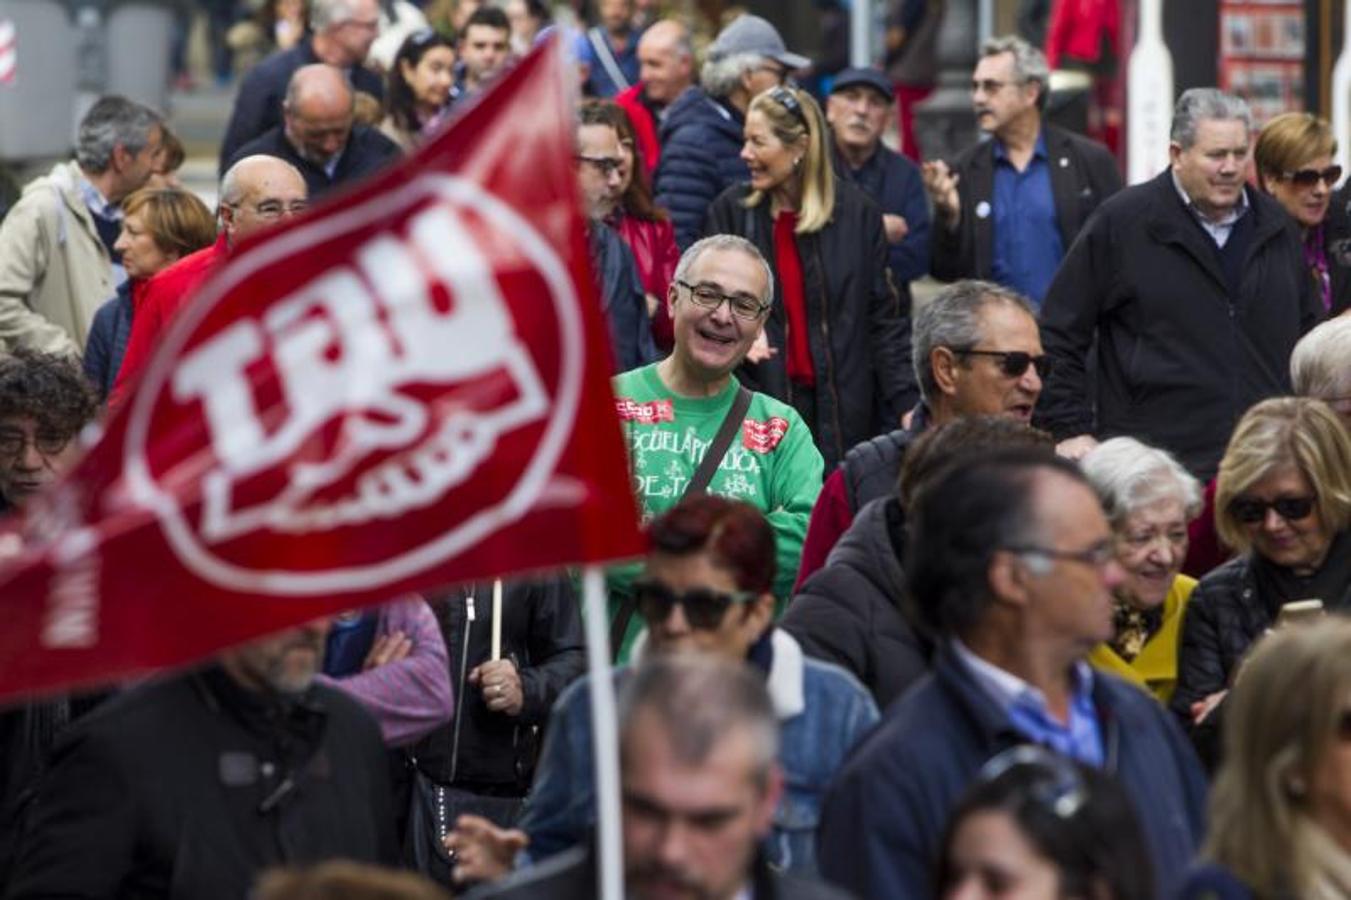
(188, 787)
(1007, 209)
(318, 135)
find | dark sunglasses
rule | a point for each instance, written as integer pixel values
(1250, 510)
(704, 608)
(1309, 177)
(1045, 779)
(784, 97)
(1013, 363)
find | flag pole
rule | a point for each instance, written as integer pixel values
(605, 735)
(497, 620)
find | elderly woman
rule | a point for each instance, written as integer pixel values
(839, 348)
(1320, 366)
(159, 227)
(1279, 806)
(1283, 500)
(1149, 499)
(1293, 159)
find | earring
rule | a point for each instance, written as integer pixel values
(797, 162)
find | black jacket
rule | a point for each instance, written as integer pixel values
(1337, 238)
(367, 151)
(852, 611)
(190, 787)
(1180, 355)
(571, 875)
(1083, 174)
(859, 326)
(542, 632)
(700, 158)
(258, 103)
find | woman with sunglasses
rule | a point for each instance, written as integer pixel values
(1280, 803)
(838, 334)
(1293, 159)
(1037, 826)
(1283, 500)
(1149, 499)
(419, 86)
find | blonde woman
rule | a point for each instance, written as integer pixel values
(838, 333)
(1280, 807)
(1283, 500)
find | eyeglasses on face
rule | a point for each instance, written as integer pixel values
(275, 209)
(1307, 178)
(1012, 363)
(707, 296)
(605, 165)
(1250, 510)
(48, 443)
(704, 607)
(1097, 556)
(989, 85)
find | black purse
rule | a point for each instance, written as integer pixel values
(433, 810)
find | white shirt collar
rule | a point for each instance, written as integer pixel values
(785, 672)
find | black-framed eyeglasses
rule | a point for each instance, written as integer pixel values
(989, 85)
(1012, 363)
(1307, 178)
(707, 296)
(1097, 556)
(48, 443)
(1050, 781)
(606, 165)
(704, 607)
(780, 72)
(785, 98)
(1250, 510)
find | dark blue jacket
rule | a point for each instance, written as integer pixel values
(895, 185)
(700, 158)
(598, 80)
(107, 342)
(258, 103)
(622, 298)
(367, 151)
(884, 817)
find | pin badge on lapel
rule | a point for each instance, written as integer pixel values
(1064, 162)
(983, 209)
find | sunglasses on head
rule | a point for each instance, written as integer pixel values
(1309, 177)
(1250, 510)
(1045, 779)
(1013, 363)
(784, 97)
(704, 607)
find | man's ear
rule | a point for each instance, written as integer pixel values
(121, 159)
(769, 802)
(1174, 152)
(1008, 576)
(943, 363)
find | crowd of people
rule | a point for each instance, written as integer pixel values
(1031, 589)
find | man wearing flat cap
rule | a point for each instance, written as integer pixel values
(858, 108)
(701, 135)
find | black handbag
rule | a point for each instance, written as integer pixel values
(433, 810)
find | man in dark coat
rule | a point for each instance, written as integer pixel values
(318, 135)
(343, 31)
(698, 738)
(1008, 209)
(1010, 560)
(190, 786)
(701, 135)
(1194, 290)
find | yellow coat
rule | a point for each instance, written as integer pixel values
(1155, 669)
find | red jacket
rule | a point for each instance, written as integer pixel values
(644, 125)
(164, 295)
(1078, 28)
(655, 251)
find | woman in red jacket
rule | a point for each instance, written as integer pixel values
(645, 227)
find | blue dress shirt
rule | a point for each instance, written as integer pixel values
(1027, 244)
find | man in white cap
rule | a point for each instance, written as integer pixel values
(701, 134)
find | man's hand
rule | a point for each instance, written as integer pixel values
(482, 851)
(1204, 707)
(760, 350)
(1076, 448)
(501, 686)
(896, 228)
(387, 648)
(941, 185)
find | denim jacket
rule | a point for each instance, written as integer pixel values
(823, 711)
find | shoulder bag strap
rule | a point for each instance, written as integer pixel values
(606, 58)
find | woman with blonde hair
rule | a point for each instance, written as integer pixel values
(1280, 808)
(1283, 500)
(838, 333)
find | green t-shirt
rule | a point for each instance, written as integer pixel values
(773, 464)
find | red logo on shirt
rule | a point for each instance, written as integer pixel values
(645, 413)
(763, 437)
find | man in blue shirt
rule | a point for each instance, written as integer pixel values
(1012, 567)
(858, 107)
(1007, 209)
(612, 50)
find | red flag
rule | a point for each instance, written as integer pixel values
(405, 388)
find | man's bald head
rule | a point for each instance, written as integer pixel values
(318, 112)
(666, 61)
(257, 192)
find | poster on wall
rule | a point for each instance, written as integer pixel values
(1262, 54)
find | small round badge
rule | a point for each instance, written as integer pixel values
(983, 209)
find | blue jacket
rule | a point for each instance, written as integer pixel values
(823, 712)
(884, 817)
(598, 80)
(700, 158)
(622, 298)
(894, 184)
(1211, 881)
(107, 342)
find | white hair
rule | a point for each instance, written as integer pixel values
(1320, 365)
(1129, 475)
